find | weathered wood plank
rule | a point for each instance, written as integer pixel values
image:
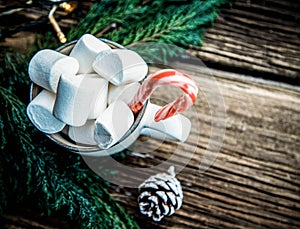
(258, 38)
(254, 182)
(19, 217)
(21, 27)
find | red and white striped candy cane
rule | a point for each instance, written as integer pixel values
(166, 77)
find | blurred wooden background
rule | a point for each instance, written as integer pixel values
(253, 51)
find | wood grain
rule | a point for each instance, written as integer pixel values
(258, 38)
(254, 181)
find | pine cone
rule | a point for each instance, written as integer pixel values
(160, 195)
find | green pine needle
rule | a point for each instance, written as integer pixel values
(173, 23)
(160, 21)
(61, 180)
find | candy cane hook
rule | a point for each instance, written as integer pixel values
(166, 77)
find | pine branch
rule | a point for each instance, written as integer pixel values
(13, 72)
(179, 25)
(174, 23)
(12, 121)
(163, 21)
(60, 181)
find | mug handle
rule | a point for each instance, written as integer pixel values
(175, 128)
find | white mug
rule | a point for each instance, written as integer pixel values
(175, 128)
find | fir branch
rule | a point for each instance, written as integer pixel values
(12, 120)
(181, 25)
(177, 23)
(172, 22)
(60, 181)
(13, 72)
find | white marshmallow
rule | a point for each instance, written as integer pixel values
(46, 67)
(120, 66)
(40, 111)
(74, 98)
(100, 87)
(85, 50)
(84, 134)
(124, 92)
(112, 124)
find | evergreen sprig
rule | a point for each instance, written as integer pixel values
(69, 188)
(172, 25)
(179, 25)
(14, 75)
(173, 22)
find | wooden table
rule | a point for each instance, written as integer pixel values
(253, 181)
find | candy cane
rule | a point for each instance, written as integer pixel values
(166, 77)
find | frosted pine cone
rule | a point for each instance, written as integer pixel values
(160, 195)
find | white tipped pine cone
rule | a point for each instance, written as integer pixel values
(160, 195)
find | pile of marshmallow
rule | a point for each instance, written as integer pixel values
(86, 93)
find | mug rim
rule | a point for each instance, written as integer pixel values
(70, 144)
